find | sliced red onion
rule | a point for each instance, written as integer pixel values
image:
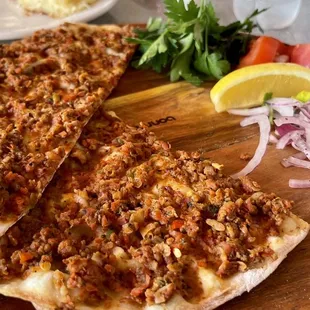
(273, 139)
(286, 162)
(284, 129)
(290, 136)
(305, 112)
(306, 105)
(298, 162)
(299, 183)
(295, 147)
(291, 120)
(307, 134)
(299, 155)
(284, 110)
(284, 102)
(248, 112)
(303, 117)
(301, 145)
(264, 127)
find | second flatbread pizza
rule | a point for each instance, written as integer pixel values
(50, 85)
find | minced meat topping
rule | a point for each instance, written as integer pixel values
(126, 214)
(50, 85)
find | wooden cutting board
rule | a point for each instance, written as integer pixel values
(184, 116)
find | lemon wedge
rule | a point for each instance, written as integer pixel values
(246, 87)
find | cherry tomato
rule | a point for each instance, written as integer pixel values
(301, 55)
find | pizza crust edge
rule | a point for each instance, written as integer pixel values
(245, 282)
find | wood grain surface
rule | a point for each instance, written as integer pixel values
(184, 116)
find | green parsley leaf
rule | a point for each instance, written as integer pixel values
(201, 64)
(157, 47)
(109, 232)
(191, 43)
(176, 10)
(267, 96)
(218, 67)
(193, 79)
(154, 24)
(181, 65)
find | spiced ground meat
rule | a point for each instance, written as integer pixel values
(126, 214)
(50, 85)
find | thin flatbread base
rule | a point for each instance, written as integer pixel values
(129, 165)
(30, 289)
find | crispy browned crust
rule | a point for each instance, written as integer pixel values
(245, 282)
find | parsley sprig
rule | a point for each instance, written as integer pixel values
(191, 43)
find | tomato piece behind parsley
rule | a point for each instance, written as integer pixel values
(262, 50)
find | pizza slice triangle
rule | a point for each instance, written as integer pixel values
(50, 85)
(128, 224)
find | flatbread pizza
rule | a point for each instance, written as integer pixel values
(50, 85)
(128, 224)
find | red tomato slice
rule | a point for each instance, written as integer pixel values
(286, 49)
(301, 55)
(263, 50)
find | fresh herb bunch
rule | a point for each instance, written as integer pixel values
(191, 42)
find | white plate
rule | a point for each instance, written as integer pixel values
(14, 24)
